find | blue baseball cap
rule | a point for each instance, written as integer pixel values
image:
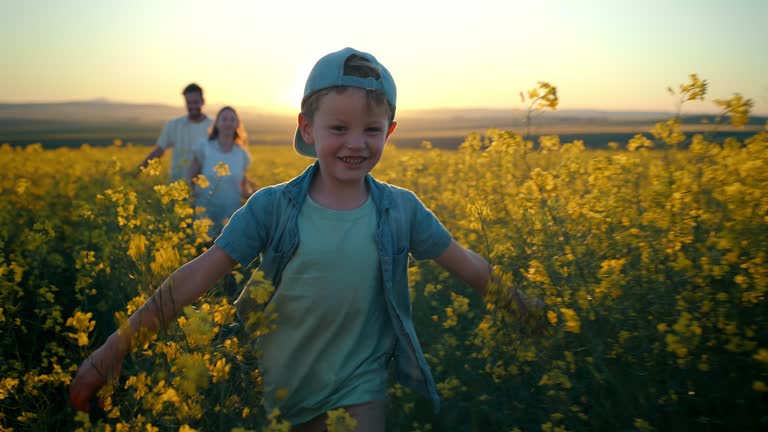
(329, 72)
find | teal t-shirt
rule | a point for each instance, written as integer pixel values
(334, 337)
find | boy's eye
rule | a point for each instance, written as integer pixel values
(338, 128)
(373, 130)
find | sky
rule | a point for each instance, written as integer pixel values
(603, 55)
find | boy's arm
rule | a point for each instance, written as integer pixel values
(466, 265)
(183, 287)
(476, 272)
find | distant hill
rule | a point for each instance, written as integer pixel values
(102, 110)
(99, 122)
(94, 111)
(105, 112)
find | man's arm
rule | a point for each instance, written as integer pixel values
(156, 152)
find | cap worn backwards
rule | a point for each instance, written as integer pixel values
(329, 72)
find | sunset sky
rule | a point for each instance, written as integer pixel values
(606, 55)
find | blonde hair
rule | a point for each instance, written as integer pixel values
(356, 66)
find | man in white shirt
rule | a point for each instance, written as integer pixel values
(182, 133)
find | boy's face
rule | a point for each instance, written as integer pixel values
(349, 135)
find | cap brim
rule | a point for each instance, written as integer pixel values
(302, 147)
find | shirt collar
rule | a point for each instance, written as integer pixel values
(296, 189)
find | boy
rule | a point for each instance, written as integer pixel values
(335, 243)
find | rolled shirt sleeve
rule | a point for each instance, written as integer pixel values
(429, 238)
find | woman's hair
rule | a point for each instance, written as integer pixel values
(356, 66)
(241, 137)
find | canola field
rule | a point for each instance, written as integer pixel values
(651, 258)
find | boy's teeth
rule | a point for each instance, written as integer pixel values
(352, 159)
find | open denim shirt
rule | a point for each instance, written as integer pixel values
(267, 225)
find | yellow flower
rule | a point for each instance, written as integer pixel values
(223, 313)
(339, 420)
(201, 181)
(552, 317)
(639, 142)
(198, 325)
(759, 386)
(449, 387)
(762, 355)
(166, 260)
(22, 185)
(642, 425)
(572, 321)
(220, 370)
(450, 318)
(192, 372)
(142, 384)
(555, 378)
(83, 324)
(275, 424)
(221, 169)
(737, 107)
(281, 394)
(137, 247)
(152, 168)
(695, 90)
(168, 395)
(6, 386)
(669, 132)
(176, 191)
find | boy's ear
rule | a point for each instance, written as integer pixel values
(391, 129)
(305, 129)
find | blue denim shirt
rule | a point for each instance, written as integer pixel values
(267, 226)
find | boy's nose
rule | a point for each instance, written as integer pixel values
(356, 140)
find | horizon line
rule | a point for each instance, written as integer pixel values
(409, 110)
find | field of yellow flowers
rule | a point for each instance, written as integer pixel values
(651, 258)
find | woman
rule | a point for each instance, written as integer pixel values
(218, 170)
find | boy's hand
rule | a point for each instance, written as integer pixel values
(102, 366)
(531, 312)
(526, 305)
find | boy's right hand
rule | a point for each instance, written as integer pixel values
(100, 367)
(530, 311)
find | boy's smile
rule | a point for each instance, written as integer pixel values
(349, 134)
